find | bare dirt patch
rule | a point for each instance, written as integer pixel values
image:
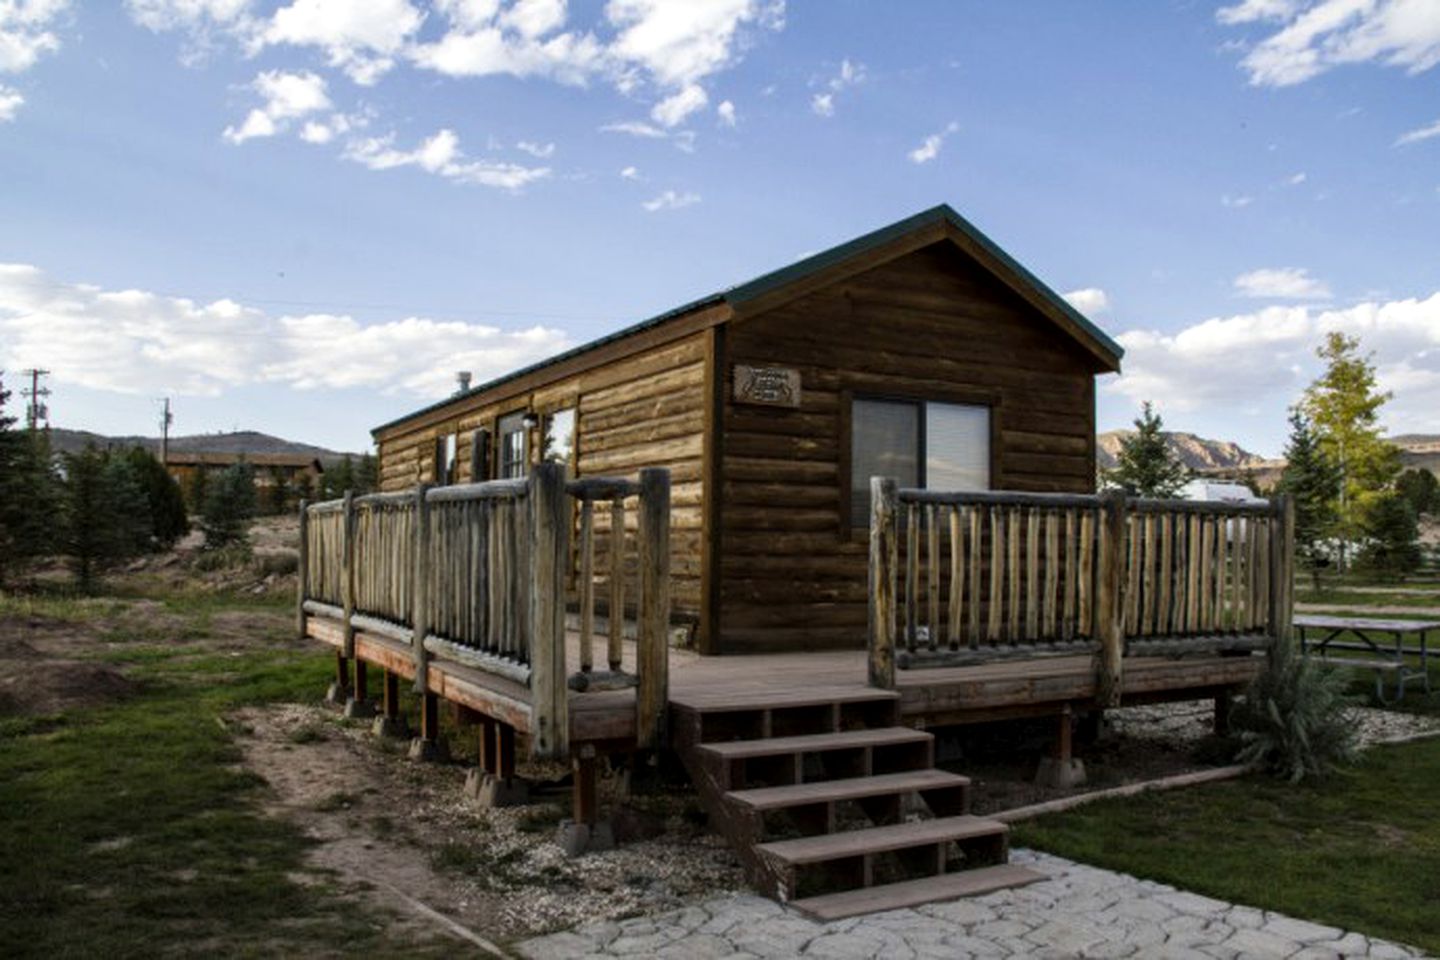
(383, 822)
(39, 672)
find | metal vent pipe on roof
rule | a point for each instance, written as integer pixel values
(462, 380)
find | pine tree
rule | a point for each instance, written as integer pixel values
(229, 507)
(1313, 482)
(1392, 544)
(1420, 487)
(168, 521)
(277, 494)
(339, 478)
(1145, 465)
(1343, 406)
(28, 496)
(107, 517)
(367, 474)
(198, 489)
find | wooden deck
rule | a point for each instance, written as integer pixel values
(928, 698)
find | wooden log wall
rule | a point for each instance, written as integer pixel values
(325, 534)
(643, 411)
(931, 325)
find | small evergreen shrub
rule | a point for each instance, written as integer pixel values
(1296, 720)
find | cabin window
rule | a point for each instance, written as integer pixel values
(514, 446)
(939, 446)
(445, 460)
(560, 437)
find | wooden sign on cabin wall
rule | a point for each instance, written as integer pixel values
(767, 386)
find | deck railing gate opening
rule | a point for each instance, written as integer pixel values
(965, 578)
(479, 575)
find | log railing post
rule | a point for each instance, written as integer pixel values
(1109, 609)
(653, 624)
(1282, 572)
(549, 694)
(420, 589)
(303, 569)
(347, 575)
(884, 503)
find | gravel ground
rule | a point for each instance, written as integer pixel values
(1191, 720)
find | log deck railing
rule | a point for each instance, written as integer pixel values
(966, 578)
(478, 574)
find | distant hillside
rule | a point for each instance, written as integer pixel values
(241, 441)
(1197, 453)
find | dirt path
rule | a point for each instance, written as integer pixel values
(384, 823)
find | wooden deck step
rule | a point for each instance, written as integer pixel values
(814, 743)
(857, 843)
(832, 791)
(912, 893)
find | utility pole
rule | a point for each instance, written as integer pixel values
(166, 419)
(36, 411)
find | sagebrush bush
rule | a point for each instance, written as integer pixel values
(1296, 719)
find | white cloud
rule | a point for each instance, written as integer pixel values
(630, 173)
(25, 34)
(1330, 33)
(673, 110)
(679, 44)
(569, 58)
(323, 131)
(138, 342)
(850, 73)
(441, 155)
(1089, 300)
(10, 102)
(1283, 283)
(929, 148)
(1271, 352)
(534, 18)
(1236, 202)
(288, 97)
(1249, 11)
(1296, 179)
(361, 37)
(635, 128)
(670, 200)
(1416, 135)
(542, 151)
(726, 112)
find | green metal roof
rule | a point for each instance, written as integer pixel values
(743, 293)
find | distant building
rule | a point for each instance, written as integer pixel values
(184, 465)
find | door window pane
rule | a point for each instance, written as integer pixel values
(885, 442)
(957, 447)
(513, 446)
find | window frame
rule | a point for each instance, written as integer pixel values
(498, 467)
(960, 396)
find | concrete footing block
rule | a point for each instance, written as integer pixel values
(394, 727)
(1060, 774)
(359, 709)
(581, 838)
(488, 790)
(427, 751)
(337, 694)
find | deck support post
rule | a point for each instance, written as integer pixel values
(1062, 769)
(427, 745)
(653, 626)
(339, 691)
(883, 556)
(359, 705)
(391, 722)
(493, 782)
(585, 832)
(420, 589)
(1109, 612)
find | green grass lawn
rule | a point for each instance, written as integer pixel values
(131, 830)
(1359, 851)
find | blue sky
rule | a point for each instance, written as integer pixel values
(303, 217)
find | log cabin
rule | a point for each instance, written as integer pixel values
(920, 350)
(863, 487)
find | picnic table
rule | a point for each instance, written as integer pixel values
(1373, 636)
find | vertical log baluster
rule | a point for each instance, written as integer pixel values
(975, 564)
(932, 557)
(912, 572)
(587, 585)
(616, 643)
(957, 577)
(881, 606)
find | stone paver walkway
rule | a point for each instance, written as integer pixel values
(1079, 912)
